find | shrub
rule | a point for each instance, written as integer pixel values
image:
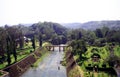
(31, 51)
(104, 65)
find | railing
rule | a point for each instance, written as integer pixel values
(52, 47)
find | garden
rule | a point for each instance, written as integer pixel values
(21, 53)
(95, 62)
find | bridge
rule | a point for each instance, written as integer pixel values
(60, 47)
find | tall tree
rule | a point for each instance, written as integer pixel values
(2, 44)
(14, 35)
(99, 33)
(33, 42)
(8, 50)
(40, 40)
(14, 50)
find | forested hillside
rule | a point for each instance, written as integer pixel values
(92, 25)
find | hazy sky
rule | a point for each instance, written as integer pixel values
(61, 11)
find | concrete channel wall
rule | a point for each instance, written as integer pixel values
(71, 63)
(5, 74)
(20, 67)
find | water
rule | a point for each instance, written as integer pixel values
(49, 67)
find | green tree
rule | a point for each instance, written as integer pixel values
(13, 35)
(99, 33)
(79, 48)
(105, 31)
(40, 40)
(8, 50)
(33, 42)
(113, 60)
(2, 44)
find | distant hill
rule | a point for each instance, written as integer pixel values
(92, 25)
(72, 25)
(27, 24)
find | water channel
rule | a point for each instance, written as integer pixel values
(49, 67)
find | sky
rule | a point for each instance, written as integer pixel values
(61, 11)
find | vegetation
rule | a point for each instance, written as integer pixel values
(21, 54)
(94, 50)
(46, 31)
(98, 51)
(75, 72)
(40, 59)
(1, 74)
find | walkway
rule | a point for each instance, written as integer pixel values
(48, 67)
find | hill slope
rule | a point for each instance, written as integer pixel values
(92, 25)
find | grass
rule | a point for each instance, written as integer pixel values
(97, 74)
(104, 53)
(75, 72)
(21, 53)
(100, 51)
(40, 59)
(44, 52)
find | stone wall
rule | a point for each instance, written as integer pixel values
(20, 67)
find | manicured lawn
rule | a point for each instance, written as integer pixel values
(20, 55)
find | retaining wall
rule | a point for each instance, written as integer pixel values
(71, 63)
(20, 67)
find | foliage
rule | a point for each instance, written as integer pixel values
(79, 48)
(117, 50)
(44, 53)
(33, 42)
(1, 74)
(51, 32)
(75, 72)
(113, 60)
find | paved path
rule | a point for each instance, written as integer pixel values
(48, 67)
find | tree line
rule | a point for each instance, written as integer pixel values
(9, 39)
(80, 40)
(98, 37)
(11, 36)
